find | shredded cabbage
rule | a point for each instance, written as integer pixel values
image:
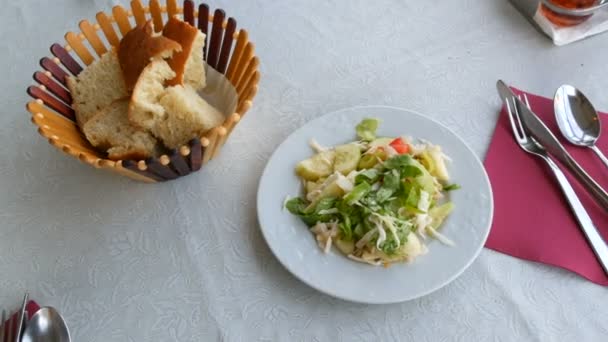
(316, 146)
(385, 210)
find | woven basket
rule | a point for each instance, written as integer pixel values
(227, 50)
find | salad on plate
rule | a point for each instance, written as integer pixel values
(377, 199)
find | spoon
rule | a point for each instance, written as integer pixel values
(577, 119)
(46, 325)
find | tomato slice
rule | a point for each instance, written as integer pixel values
(400, 146)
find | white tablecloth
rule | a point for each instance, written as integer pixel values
(185, 260)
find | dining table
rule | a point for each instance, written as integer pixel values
(185, 260)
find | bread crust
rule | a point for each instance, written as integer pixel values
(184, 34)
(139, 47)
(111, 131)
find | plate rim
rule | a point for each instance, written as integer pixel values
(437, 287)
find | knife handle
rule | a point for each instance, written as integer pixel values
(599, 153)
(600, 195)
(593, 237)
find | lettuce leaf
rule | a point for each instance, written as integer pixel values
(398, 162)
(298, 207)
(451, 187)
(346, 228)
(357, 193)
(390, 185)
(366, 129)
(370, 176)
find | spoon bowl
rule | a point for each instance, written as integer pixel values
(577, 118)
(46, 325)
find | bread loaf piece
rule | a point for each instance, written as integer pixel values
(139, 47)
(188, 116)
(173, 115)
(145, 92)
(111, 131)
(145, 111)
(188, 63)
(96, 87)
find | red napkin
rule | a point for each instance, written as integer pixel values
(31, 307)
(532, 219)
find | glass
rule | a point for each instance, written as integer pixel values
(563, 19)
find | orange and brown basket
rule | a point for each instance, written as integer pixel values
(227, 50)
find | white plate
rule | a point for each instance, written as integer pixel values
(295, 247)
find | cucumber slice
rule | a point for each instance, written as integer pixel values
(346, 247)
(319, 165)
(312, 186)
(412, 247)
(427, 161)
(370, 160)
(367, 162)
(440, 171)
(329, 188)
(439, 214)
(409, 249)
(425, 180)
(347, 158)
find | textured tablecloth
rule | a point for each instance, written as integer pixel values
(185, 260)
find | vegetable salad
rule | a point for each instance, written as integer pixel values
(376, 199)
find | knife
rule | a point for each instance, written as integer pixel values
(20, 326)
(543, 134)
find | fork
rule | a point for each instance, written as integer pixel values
(530, 145)
(10, 331)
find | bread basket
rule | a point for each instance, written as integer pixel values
(227, 50)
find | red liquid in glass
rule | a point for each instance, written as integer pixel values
(567, 20)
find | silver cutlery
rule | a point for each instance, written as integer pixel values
(20, 326)
(577, 119)
(530, 145)
(544, 136)
(11, 331)
(579, 12)
(46, 325)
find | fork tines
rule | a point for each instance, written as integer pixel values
(518, 129)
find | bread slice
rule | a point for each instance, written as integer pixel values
(188, 63)
(145, 111)
(139, 47)
(111, 130)
(188, 116)
(175, 114)
(97, 86)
